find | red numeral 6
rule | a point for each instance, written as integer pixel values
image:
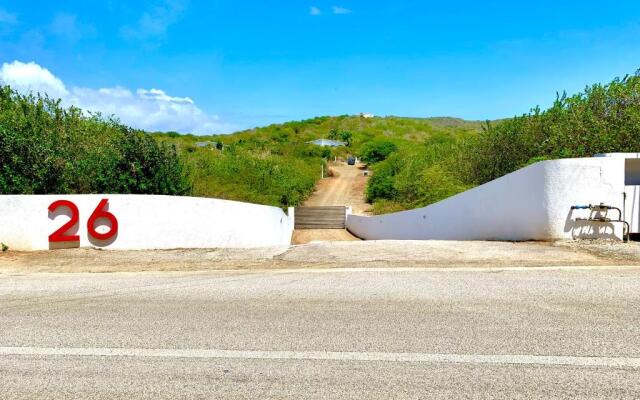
(98, 213)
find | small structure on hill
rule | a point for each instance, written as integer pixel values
(212, 145)
(327, 143)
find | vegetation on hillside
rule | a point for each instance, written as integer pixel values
(418, 175)
(601, 119)
(273, 170)
(45, 148)
(238, 173)
(377, 150)
(275, 165)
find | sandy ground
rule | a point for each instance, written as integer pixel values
(303, 236)
(347, 254)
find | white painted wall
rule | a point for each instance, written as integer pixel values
(148, 222)
(533, 203)
(632, 208)
(632, 188)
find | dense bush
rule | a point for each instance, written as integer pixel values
(603, 118)
(414, 177)
(377, 150)
(343, 136)
(45, 148)
(278, 168)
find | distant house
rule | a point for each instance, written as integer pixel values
(213, 145)
(327, 142)
(366, 115)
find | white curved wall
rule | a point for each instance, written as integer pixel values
(533, 203)
(148, 222)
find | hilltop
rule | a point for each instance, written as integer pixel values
(400, 130)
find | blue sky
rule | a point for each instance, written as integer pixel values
(217, 66)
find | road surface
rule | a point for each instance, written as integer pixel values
(322, 333)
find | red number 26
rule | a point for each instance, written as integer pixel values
(62, 235)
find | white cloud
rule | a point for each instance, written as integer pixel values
(152, 109)
(340, 10)
(313, 10)
(153, 24)
(30, 77)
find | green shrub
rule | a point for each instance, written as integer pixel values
(413, 178)
(377, 150)
(381, 184)
(343, 136)
(45, 148)
(602, 119)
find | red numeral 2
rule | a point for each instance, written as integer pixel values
(61, 234)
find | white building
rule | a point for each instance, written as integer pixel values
(327, 143)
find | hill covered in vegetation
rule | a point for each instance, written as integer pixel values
(276, 165)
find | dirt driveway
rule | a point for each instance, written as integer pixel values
(345, 188)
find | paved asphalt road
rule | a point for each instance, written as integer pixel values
(566, 333)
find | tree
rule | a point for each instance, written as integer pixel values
(346, 137)
(377, 150)
(343, 136)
